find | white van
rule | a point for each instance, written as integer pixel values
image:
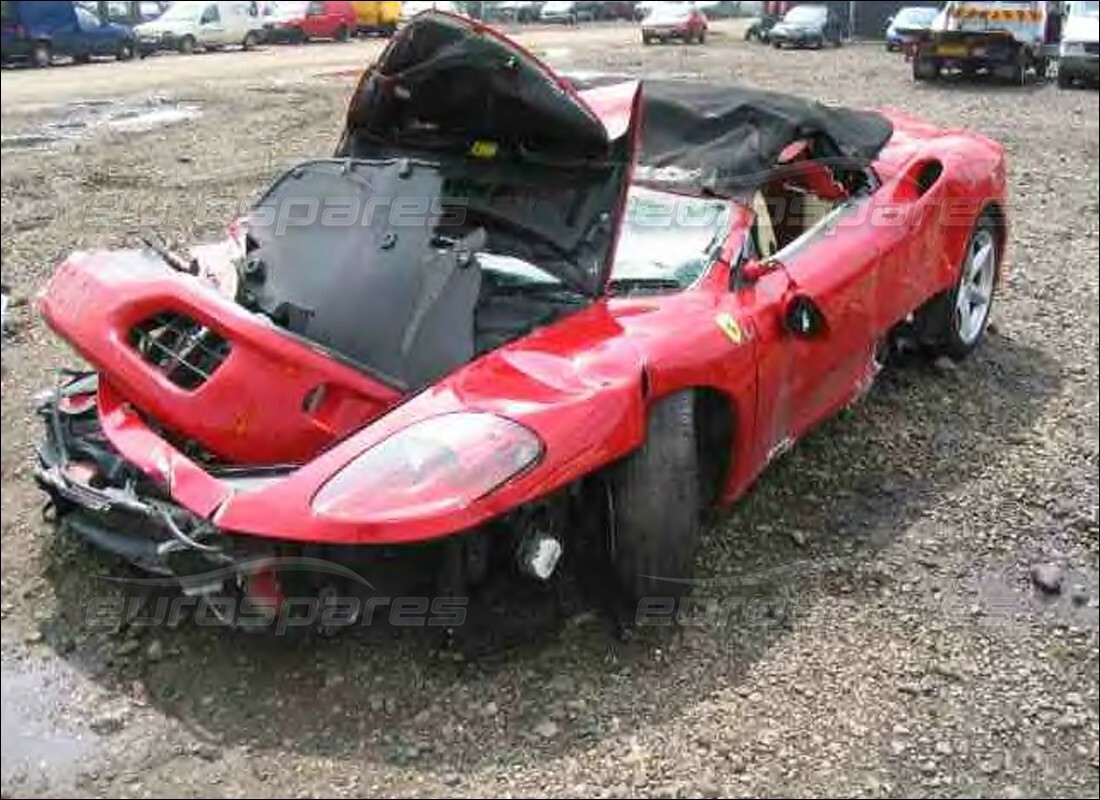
(1079, 52)
(187, 25)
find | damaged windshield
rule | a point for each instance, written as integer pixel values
(667, 241)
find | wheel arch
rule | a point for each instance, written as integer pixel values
(995, 210)
(716, 425)
(715, 440)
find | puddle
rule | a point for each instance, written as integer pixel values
(43, 745)
(84, 119)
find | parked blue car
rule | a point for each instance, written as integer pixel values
(907, 24)
(39, 30)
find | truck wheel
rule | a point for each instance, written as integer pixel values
(954, 321)
(654, 514)
(42, 54)
(187, 45)
(925, 69)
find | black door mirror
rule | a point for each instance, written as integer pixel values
(803, 317)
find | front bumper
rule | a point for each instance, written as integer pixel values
(151, 44)
(799, 38)
(107, 501)
(1081, 67)
(283, 33)
(16, 50)
(666, 33)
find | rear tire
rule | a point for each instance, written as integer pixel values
(187, 45)
(654, 519)
(250, 41)
(925, 69)
(342, 34)
(953, 322)
(125, 52)
(42, 54)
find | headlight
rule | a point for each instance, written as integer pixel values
(1072, 48)
(432, 466)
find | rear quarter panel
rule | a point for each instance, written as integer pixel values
(974, 181)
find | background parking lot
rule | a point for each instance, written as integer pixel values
(890, 631)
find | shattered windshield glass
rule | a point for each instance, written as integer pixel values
(667, 239)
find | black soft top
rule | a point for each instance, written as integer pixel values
(445, 82)
(727, 139)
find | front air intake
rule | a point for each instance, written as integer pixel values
(186, 352)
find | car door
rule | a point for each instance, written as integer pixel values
(212, 26)
(63, 28)
(103, 35)
(830, 275)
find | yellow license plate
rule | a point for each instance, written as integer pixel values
(952, 50)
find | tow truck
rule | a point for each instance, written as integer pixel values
(1005, 40)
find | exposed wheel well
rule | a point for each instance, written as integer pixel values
(714, 434)
(996, 212)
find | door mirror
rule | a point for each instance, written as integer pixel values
(803, 317)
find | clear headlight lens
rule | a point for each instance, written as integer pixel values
(432, 466)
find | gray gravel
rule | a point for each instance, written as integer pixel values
(910, 597)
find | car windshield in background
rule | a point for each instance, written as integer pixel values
(915, 17)
(291, 9)
(183, 9)
(669, 12)
(805, 15)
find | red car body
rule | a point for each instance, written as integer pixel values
(576, 396)
(317, 19)
(675, 21)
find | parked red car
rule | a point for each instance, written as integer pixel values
(680, 21)
(509, 318)
(317, 19)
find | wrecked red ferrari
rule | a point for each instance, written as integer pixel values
(511, 313)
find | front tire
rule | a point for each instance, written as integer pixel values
(250, 41)
(342, 34)
(953, 322)
(655, 498)
(125, 52)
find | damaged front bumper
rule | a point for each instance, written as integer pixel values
(101, 497)
(94, 493)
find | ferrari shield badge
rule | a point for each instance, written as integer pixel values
(731, 327)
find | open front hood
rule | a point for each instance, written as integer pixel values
(451, 90)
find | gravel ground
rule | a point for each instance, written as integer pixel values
(886, 632)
